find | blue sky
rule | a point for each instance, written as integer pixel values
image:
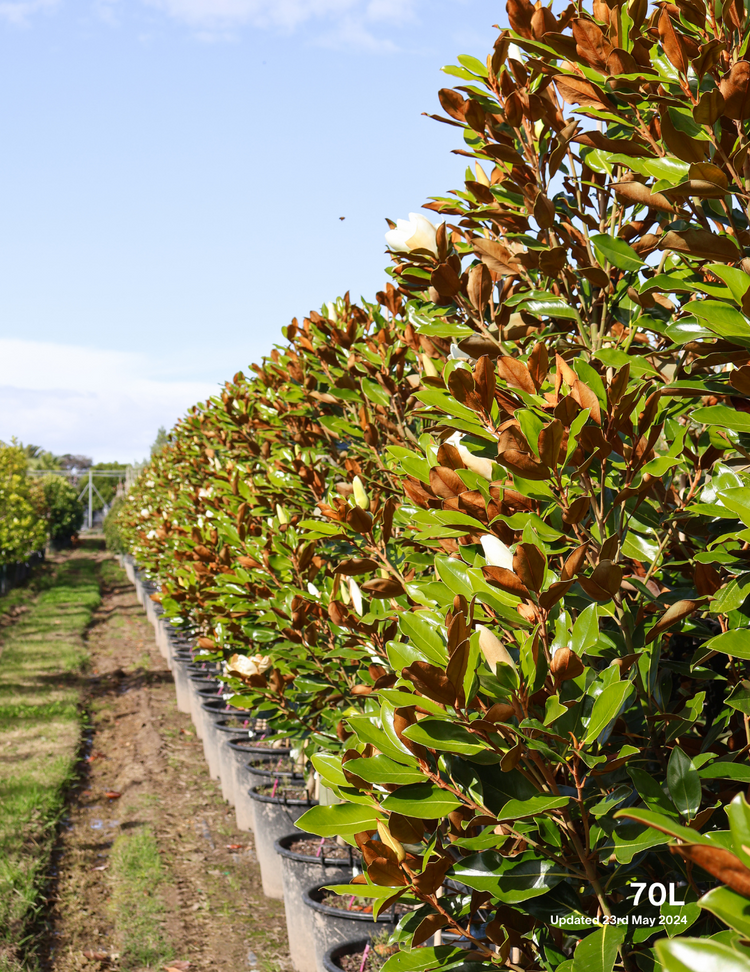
(171, 182)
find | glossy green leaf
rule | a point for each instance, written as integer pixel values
(732, 596)
(732, 908)
(611, 249)
(598, 951)
(664, 824)
(518, 809)
(735, 643)
(549, 307)
(510, 882)
(737, 280)
(381, 769)
(368, 732)
(361, 890)
(723, 416)
(684, 783)
(740, 699)
(737, 499)
(425, 636)
(329, 767)
(585, 630)
(631, 841)
(444, 957)
(473, 64)
(339, 818)
(722, 319)
(722, 769)
(445, 736)
(606, 708)
(738, 813)
(699, 955)
(425, 800)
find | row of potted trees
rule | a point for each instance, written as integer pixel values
(265, 782)
(477, 553)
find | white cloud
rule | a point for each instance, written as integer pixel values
(18, 12)
(105, 404)
(261, 13)
(353, 32)
(345, 22)
(348, 17)
(107, 11)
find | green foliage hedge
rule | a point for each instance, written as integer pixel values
(482, 546)
(63, 510)
(22, 508)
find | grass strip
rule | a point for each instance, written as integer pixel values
(137, 877)
(43, 652)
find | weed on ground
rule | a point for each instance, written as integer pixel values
(137, 904)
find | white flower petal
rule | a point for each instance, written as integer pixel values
(496, 553)
(414, 233)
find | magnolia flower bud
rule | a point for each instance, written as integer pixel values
(356, 596)
(281, 513)
(414, 233)
(360, 496)
(496, 553)
(477, 464)
(429, 368)
(493, 649)
(481, 175)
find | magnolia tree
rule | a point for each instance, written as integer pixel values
(483, 546)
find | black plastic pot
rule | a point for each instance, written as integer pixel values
(333, 927)
(298, 873)
(331, 958)
(243, 779)
(181, 681)
(273, 817)
(230, 734)
(201, 690)
(214, 712)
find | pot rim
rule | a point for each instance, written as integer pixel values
(279, 801)
(290, 855)
(210, 705)
(240, 733)
(282, 751)
(383, 918)
(336, 952)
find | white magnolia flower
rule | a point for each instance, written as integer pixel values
(356, 596)
(458, 355)
(245, 666)
(331, 311)
(312, 589)
(414, 233)
(496, 553)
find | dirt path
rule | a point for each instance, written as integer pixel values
(157, 876)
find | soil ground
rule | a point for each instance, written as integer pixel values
(149, 871)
